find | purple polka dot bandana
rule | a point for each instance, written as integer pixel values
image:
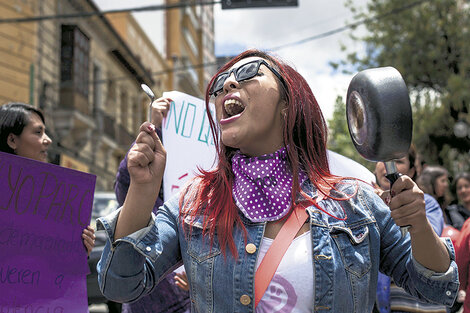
(263, 185)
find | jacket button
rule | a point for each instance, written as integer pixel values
(245, 299)
(250, 248)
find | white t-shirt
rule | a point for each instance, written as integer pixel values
(291, 289)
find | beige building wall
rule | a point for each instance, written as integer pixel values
(17, 52)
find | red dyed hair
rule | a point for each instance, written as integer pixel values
(305, 136)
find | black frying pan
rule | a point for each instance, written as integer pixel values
(379, 117)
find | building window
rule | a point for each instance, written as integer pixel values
(97, 84)
(74, 58)
(111, 96)
(191, 43)
(136, 120)
(124, 110)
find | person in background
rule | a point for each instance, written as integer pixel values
(407, 166)
(458, 213)
(462, 188)
(272, 166)
(171, 294)
(23, 132)
(434, 180)
(390, 297)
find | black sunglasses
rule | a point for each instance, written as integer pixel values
(243, 72)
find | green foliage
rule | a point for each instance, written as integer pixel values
(429, 43)
(339, 138)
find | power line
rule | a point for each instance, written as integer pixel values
(202, 65)
(319, 36)
(350, 26)
(99, 13)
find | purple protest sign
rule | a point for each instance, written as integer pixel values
(43, 211)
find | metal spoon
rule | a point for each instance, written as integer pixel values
(151, 95)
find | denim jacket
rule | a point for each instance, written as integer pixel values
(347, 255)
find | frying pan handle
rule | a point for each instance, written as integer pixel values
(392, 172)
(392, 176)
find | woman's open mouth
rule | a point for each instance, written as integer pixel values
(233, 107)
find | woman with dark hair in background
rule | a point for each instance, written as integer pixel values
(23, 132)
(458, 213)
(434, 180)
(272, 177)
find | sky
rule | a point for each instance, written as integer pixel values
(267, 28)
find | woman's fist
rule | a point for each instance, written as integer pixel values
(147, 157)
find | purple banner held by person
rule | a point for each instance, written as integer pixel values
(43, 211)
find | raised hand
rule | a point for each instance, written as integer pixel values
(147, 157)
(146, 163)
(160, 109)
(407, 204)
(407, 207)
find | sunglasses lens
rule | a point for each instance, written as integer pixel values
(219, 83)
(247, 71)
(244, 72)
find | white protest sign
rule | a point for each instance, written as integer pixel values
(187, 139)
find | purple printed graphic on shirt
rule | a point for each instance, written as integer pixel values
(280, 297)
